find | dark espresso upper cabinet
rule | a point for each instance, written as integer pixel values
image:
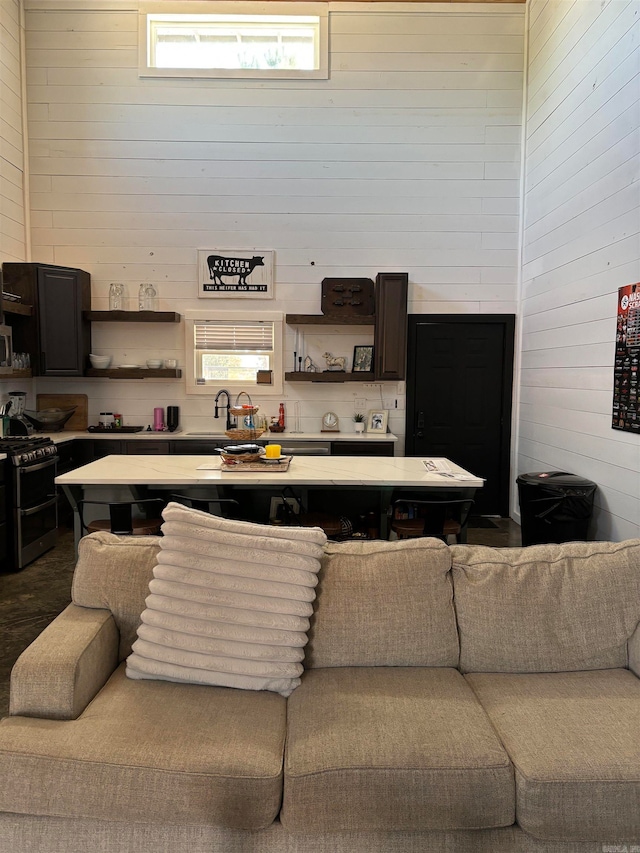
(57, 335)
(390, 340)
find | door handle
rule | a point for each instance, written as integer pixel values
(420, 434)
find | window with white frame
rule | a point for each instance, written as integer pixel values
(234, 40)
(226, 350)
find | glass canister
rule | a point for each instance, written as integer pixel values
(146, 297)
(116, 296)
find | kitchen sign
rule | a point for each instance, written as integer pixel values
(626, 408)
(237, 273)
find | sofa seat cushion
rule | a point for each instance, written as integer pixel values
(574, 741)
(150, 751)
(385, 748)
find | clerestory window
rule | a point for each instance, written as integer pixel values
(234, 40)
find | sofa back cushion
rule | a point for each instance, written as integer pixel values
(113, 572)
(384, 604)
(546, 608)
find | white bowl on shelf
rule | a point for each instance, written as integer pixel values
(101, 362)
(154, 363)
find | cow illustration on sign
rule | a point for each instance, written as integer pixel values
(235, 273)
(219, 266)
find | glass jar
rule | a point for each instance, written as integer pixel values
(116, 296)
(146, 297)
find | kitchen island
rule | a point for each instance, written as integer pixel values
(377, 479)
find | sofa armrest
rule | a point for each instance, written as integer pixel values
(633, 647)
(65, 666)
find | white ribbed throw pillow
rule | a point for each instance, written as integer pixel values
(229, 603)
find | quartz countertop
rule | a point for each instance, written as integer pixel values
(310, 471)
(203, 435)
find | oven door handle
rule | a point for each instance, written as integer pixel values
(27, 469)
(34, 509)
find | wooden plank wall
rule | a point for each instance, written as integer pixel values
(407, 158)
(12, 220)
(581, 242)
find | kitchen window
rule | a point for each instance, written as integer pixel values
(227, 349)
(235, 40)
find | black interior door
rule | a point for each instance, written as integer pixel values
(459, 385)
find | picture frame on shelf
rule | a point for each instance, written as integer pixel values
(362, 359)
(377, 420)
(236, 273)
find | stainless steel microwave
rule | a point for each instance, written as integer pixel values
(6, 350)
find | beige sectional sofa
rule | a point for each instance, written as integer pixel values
(456, 698)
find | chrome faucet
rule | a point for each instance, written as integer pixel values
(226, 406)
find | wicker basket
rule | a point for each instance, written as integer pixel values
(243, 411)
(239, 458)
(243, 434)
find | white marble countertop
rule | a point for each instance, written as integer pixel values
(304, 471)
(194, 435)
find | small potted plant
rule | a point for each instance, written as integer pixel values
(358, 420)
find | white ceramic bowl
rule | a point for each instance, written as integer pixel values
(100, 361)
(154, 363)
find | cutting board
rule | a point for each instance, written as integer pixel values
(79, 420)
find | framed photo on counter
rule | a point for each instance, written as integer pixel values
(362, 359)
(377, 420)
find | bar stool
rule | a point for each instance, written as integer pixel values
(440, 519)
(227, 507)
(121, 519)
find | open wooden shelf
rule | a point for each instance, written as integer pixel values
(135, 373)
(17, 308)
(132, 316)
(329, 376)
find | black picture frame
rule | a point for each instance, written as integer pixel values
(362, 359)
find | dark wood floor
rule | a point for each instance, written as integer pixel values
(32, 598)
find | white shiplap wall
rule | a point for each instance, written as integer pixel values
(405, 159)
(581, 242)
(12, 218)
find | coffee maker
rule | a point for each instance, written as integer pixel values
(18, 424)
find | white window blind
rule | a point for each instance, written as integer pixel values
(234, 337)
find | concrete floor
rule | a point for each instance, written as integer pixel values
(32, 598)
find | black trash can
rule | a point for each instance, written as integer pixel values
(554, 507)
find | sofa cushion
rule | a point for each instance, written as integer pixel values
(230, 603)
(113, 573)
(148, 751)
(546, 608)
(384, 748)
(573, 739)
(384, 604)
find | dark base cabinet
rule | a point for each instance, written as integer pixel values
(5, 563)
(358, 448)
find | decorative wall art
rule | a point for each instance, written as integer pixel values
(237, 273)
(362, 359)
(626, 394)
(377, 420)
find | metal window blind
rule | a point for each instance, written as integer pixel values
(234, 337)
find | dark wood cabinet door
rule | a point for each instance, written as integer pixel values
(390, 342)
(153, 447)
(359, 448)
(64, 335)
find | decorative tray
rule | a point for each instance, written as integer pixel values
(115, 429)
(281, 465)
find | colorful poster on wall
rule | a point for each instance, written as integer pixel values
(626, 408)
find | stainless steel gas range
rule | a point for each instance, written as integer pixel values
(31, 501)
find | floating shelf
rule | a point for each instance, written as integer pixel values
(132, 316)
(329, 376)
(135, 373)
(17, 308)
(325, 320)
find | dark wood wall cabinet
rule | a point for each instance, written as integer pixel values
(56, 334)
(389, 329)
